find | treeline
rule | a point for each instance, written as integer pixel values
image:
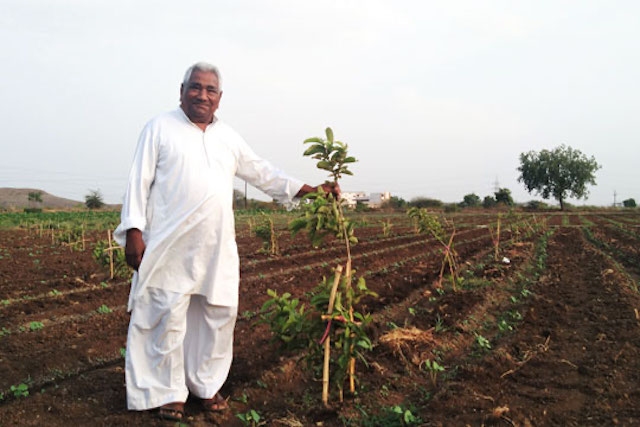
(500, 198)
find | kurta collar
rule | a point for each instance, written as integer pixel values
(188, 120)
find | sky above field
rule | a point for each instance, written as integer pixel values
(435, 98)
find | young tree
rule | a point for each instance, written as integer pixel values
(93, 200)
(562, 172)
(629, 203)
(503, 195)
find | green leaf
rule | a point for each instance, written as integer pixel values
(349, 160)
(318, 148)
(314, 139)
(325, 165)
(364, 344)
(329, 133)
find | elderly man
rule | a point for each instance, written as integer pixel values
(177, 227)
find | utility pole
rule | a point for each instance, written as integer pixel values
(496, 185)
(615, 194)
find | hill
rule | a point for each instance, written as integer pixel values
(17, 198)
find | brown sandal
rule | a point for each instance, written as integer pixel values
(171, 411)
(216, 404)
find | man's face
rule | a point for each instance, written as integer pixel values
(200, 97)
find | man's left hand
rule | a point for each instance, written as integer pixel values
(327, 187)
(331, 187)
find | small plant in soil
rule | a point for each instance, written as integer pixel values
(396, 415)
(433, 368)
(267, 233)
(111, 257)
(35, 326)
(250, 418)
(482, 343)
(20, 390)
(104, 309)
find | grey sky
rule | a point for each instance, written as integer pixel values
(435, 98)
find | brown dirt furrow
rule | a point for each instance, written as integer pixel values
(52, 307)
(61, 347)
(575, 359)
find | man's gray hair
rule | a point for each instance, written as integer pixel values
(204, 67)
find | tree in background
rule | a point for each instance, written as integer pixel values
(503, 195)
(562, 172)
(470, 200)
(425, 202)
(489, 202)
(629, 203)
(35, 196)
(395, 202)
(93, 200)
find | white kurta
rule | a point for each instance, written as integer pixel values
(180, 194)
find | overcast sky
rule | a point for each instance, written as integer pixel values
(434, 98)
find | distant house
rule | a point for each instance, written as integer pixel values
(377, 199)
(373, 200)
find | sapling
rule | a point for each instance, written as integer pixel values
(327, 217)
(430, 224)
(386, 228)
(267, 233)
(323, 216)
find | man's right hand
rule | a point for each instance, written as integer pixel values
(134, 249)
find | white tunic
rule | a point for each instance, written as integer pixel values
(180, 194)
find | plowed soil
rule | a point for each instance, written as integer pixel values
(570, 356)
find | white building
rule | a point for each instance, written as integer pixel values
(374, 200)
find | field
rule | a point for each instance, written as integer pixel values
(546, 333)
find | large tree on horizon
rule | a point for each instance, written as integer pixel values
(559, 173)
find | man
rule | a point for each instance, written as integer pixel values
(177, 227)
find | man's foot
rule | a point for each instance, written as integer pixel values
(215, 404)
(171, 411)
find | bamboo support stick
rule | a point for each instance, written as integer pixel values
(352, 360)
(110, 253)
(497, 243)
(327, 342)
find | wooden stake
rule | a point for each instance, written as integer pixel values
(352, 361)
(497, 243)
(327, 341)
(110, 253)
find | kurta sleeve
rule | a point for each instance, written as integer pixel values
(141, 176)
(263, 175)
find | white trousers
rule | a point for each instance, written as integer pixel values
(177, 344)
